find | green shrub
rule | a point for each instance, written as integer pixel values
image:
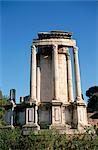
(13, 139)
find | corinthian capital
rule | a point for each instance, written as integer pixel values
(75, 49)
(54, 46)
(33, 47)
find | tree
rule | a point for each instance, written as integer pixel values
(3, 101)
(92, 93)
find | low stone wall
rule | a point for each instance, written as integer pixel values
(93, 118)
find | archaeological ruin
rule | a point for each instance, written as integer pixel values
(53, 102)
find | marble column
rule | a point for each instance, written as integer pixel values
(38, 84)
(55, 72)
(12, 113)
(65, 49)
(77, 74)
(36, 115)
(33, 74)
(69, 79)
(12, 117)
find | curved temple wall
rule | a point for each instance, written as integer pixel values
(62, 67)
(46, 87)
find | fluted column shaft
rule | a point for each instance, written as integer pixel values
(38, 84)
(55, 72)
(33, 74)
(36, 115)
(77, 74)
(69, 79)
(65, 49)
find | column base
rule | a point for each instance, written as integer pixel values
(80, 116)
(59, 127)
(7, 127)
(28, 128)
(58, 116)
(79, 100)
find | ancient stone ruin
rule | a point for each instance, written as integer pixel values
(52, 102)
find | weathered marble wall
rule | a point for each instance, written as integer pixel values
(44, 116)
(56, 115)
(21, 117)
(82, 115)
(46, 88)
(29, 115)
(7, 116)
(62, 78)
(68, 115)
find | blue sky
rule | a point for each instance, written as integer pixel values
(20, 22)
